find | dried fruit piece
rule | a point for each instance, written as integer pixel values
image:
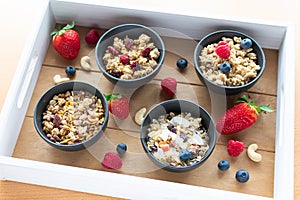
(124, 59)
(112, 50)
(146, 52)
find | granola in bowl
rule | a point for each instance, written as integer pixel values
(130, 55)
(72, 117)
(131, 58)
(177, 139)
(178, 135)
(229, 62)
(242, 62)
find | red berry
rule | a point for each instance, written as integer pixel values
(124, 59)
(112, 161)
(92, 37)
(241, 116)
(66, 41)
(235, 148)
(146, 51)
(169, 86)
(223, 50)
(118, 105)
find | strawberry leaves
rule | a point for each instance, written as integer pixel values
(259, 109)
(61, 30)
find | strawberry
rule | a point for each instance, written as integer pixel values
(112, 161)
(92, 36)
(235, 148)
(241, 116)
(223, 49)
(118, 105)
(66, 41)
(169, 85)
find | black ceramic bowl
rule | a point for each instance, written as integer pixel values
(133, 31)
(62, 88)
(215, 37)
(178, 106)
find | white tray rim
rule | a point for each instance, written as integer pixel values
(27, 171)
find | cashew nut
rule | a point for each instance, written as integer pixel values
(254, 156)
(139, 116)
(85, 63)
(58, 79)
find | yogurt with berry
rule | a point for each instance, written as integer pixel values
(177, 139)
(230, 62)
(129, 58)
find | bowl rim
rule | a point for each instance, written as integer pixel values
(174, 168)
(197, 66)
(76, 145)
(159, 64)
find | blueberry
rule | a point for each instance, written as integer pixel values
(242, 176)
(70, 71)
(223, 165)
(246, 43)
(182, 63)
(121, 148)
(184, 155)
(225, 67)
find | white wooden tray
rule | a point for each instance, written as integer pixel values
(280, 36)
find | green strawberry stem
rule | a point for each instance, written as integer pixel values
(60, 31)
(259, 109)
(109, 97)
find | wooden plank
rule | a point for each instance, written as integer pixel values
(263, 130)
(175, 48)
(135, 162)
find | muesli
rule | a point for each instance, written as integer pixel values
(177, 139)
(129, 58)
(238, 68)
(72, 117)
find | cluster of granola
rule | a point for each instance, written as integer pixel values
(242, 61)
(130, 59)
(73, 117)
(177, 139)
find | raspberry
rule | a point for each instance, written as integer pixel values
(223, 49)
(124, 59)
(111, 161)
(169, 85)
(235, 148)
(92, 37)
